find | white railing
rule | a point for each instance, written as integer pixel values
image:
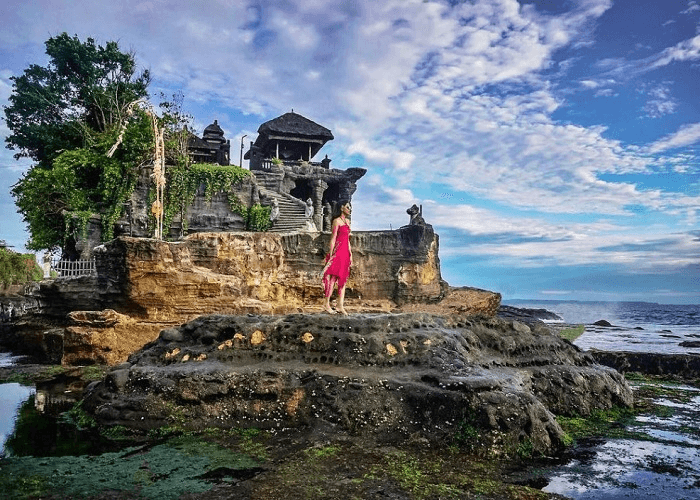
(72, 268)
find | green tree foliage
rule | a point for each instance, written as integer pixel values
(65, 116)
(85, 89)
(17, 268)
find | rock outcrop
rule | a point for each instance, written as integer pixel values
(246, 272)
(385, 376)
(143, 286)
(676, 366)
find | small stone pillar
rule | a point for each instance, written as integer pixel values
(327, 215)
(319, 187)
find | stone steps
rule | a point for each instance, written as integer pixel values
(292, 214)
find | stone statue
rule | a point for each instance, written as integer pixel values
(275, 212)
(46, 265)
(309, 212)
(416, 215)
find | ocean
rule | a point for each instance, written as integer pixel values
(636, 326)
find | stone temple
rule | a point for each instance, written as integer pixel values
(212, 147)
(280, 159)
(301, 191)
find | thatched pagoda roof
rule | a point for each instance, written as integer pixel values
(293, 124)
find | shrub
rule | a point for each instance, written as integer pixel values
(17, 268)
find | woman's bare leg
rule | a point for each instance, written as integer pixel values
(329, 284)
(341, 300)
(327, 306)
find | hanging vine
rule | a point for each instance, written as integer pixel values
(158, 174)
(184, 182)
(176, 189)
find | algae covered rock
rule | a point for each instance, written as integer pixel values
(386, 376)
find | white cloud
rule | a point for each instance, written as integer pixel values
(685, 136)
(534, 242)
(622, 69)
(379, 207)
(683, 51)
(407, 85)
(692, 7)
(660, 102)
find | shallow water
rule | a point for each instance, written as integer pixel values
(638, 326)
(650, 339)
(12, 396)
(664, 466)
(7, 359)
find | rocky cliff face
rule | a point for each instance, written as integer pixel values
(246, 272)
(262, 272)
(386, 376)
(202, 215)
(145, 285)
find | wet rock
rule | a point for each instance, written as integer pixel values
(386, 376)
(172, 334)
(527, 315)
(117, 379)
(678, 366)
(603, 322)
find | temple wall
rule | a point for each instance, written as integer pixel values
(203, 215)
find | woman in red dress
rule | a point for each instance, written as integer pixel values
(339, 259)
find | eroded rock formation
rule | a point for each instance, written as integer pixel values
(145, 285)
(246, 272)
(387, 376)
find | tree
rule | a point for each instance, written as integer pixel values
(84, 90)
(178, 128)
(65, 116)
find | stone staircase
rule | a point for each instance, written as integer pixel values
(292, 212)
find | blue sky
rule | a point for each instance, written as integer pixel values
(553, 144)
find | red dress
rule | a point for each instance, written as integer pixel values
(339, 268)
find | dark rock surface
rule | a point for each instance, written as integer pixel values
(678, 366)
(527, 315)
(15, 305)
(386, 376)
(24, 332)
(603, 322)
